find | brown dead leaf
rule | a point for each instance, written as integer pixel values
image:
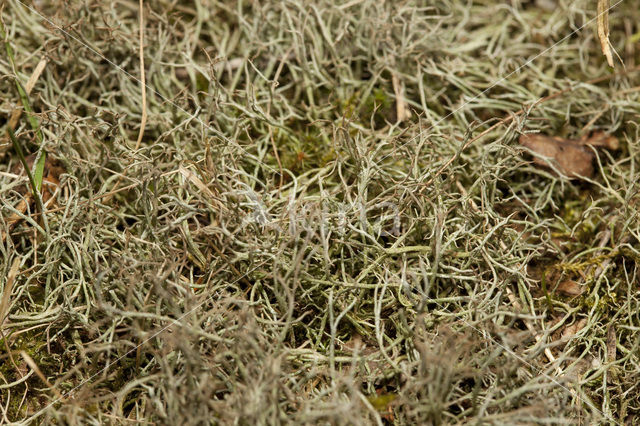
(52, 166)
(601, 139)
(6, 295)
(570, 288)
(17, 112)
(366, 352)
(572, 158)
(569, 157)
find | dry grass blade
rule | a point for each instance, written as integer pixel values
(603, 29)
(402, 112)
(35, 188)
(6, 291)
(143, 77)
(24, 99)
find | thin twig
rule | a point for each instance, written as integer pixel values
(143, 85)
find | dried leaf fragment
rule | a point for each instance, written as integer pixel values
(17, 112)
(572, 158)
(568, 157)
(601, 139)
(569, 288)
(6, 295)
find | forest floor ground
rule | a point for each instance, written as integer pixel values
(320, 214)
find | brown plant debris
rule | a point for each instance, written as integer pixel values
(571, 158)
(570, 288)
(603, 29)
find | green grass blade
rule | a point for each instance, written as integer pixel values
(23, 160)
(24, 99)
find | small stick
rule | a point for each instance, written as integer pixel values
(143, 81)
(401, 105)
(603, 30)
(143, 84)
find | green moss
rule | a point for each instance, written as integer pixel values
(376, 108)
(31, 342)
(202, 82)
(381, 402)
